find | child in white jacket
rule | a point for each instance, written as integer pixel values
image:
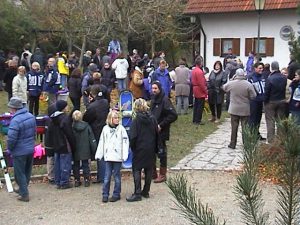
(113, 146)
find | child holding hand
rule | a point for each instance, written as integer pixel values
(113, 147)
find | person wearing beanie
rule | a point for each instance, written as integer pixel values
(241, 92)
(62, 140)
(275, 103)
(95, 116)
(165, 114)
(20, 142)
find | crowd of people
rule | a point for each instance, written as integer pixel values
(95, 133)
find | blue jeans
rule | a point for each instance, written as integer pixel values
(62, 168)
(121, 84)
(63, 80)
(22, 171)
(100, 170)
(112, 168)
(182, 104)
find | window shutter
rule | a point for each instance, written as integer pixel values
(248, 46)
(236, 46)
(270, 47)
(217, 47)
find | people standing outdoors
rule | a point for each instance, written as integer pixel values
(63, 69)
(74, 86)
(113, 149)
(9, 75)
(216, 80)
(250, 62)
(228, 57)
(120, 65)
(19, 85)
(182, 87)
(62, 140)
(97, 59)
(241, 92)
(39, 57)
(162, 75)
(86, 61)
(52, 81)
(143, 143)
(2, 68)
(85, 82)
(85, 148)
(136, 84)
(165, 114)
(20, 142)
(95, 116)
(24, 62)
(72, 62)
(114, 49)
(108, 77)
(199, 91)
(256, 104)
(35, 80)
(294, 104)
(275, 102)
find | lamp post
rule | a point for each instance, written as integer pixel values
(259, 7)
(193, 21)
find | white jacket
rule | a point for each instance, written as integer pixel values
(120, 66)
(19, 87)
(113, 144)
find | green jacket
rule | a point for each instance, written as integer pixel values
(85, 141)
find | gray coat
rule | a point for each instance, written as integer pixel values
(215, 92)
(182, 81)
(241, 92)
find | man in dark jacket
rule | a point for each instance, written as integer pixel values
(96, 114)
(275, 103)
(165, 114)
(256, 105)
(292, 67)
(39, 57)
(108, 77)
(20, 142)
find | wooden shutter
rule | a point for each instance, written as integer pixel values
(217, 47)
(248, 46)
(270, 47)
(236, 46)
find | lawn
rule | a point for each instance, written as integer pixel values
(184, 135)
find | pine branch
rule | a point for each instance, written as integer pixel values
(187, 203)
(247, 190)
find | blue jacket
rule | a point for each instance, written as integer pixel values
(258, 82)
(275, 87)
(52, 81)
(21, 133)
(35, 83)
(294, 104)
(249, 65)
(164, 78)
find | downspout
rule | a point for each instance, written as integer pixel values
(204, 39)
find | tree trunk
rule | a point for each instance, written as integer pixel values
(70, 44)
(124, 43)
(82, 50)
(152, 45)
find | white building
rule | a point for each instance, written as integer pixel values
(234, 24)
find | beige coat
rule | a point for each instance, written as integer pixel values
(19, 87)
(182, 81)
(241, 92)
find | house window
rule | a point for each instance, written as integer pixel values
(221, 46)
(266, 46)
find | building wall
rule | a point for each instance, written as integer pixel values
(245, 25)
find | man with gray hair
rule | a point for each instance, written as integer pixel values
(275, 104)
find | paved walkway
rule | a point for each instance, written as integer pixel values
(213, 154)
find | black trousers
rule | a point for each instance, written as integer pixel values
(34, 104)
(76, 103)
(138, 180)
(214, 108)
(198, 109)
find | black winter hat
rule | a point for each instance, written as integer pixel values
(60, 105)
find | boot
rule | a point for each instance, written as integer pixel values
(213, 118)
(154, 174)
(77, 183)
(87, 181)
(162, 175)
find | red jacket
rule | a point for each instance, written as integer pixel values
(199, 83)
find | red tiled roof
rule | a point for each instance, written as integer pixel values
(224, 6)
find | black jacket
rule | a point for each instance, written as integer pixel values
(96, 114)
(164, 112)
(293, 66)
(108, 78)
(143, 140)
(275, 87)
(9, 75)
(74, 86)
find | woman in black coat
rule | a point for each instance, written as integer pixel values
(74, 86)
(143, 143)
(9, 75)
(216, 80)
